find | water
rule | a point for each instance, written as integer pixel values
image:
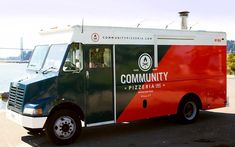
(10, 72)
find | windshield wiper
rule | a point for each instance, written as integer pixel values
(47, 70)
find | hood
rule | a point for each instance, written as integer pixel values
(32, 77)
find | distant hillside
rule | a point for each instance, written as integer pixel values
(231, 46)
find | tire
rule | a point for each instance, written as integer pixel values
(34, 131)
(63, 127)
(188, 111)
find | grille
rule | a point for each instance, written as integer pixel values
(16, 97)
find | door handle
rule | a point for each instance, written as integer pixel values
(87, 74)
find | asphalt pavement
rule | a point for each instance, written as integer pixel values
(214, 128)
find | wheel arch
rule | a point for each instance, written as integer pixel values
(67, 106)
(191, 95)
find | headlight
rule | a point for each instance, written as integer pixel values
(32, 111)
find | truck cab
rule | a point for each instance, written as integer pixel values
(54, 78)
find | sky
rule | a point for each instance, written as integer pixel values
(25, 18)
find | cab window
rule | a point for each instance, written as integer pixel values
(74, 59)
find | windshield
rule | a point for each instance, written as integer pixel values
(55, 57)
(38, 57)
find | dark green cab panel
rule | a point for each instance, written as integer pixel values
(71, 88)
(99, 101)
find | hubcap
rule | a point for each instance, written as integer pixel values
(64, 127)
(190, 110)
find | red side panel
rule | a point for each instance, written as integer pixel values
(191, 69)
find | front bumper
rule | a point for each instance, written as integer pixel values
(26, 121)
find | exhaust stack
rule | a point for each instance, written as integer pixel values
(184, 17)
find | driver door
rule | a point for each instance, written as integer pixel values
(71, 82)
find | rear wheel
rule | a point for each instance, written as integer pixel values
(63, 127)
(188, 111)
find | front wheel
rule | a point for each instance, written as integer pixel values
(63, 127)
(188, 111)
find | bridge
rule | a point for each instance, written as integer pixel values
(15, 55)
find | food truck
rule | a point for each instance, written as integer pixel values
(88, 76)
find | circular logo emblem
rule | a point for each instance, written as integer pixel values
(95, 37)
(145, 62)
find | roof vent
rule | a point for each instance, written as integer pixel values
(184, 16)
